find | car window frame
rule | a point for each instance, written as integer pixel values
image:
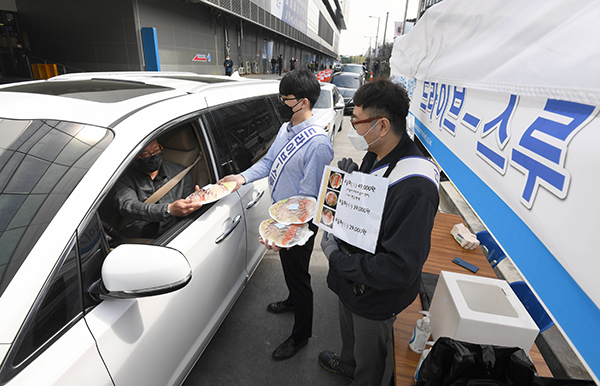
(182, 224)
(195, 118)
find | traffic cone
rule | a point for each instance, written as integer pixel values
(371, 77)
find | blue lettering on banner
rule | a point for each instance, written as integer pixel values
(424, 95)
(458, 102)
(409, 84)
(471, 122)
(501, 122)
(491, 156)
(434, 100)
(456, 106)
(444, 95)
(542, 149)
(431, 97)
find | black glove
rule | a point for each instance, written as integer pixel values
(347, 165)
(328, 244)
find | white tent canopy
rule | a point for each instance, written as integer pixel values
(541, 48)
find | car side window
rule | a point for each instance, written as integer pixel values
(249, 128)
(224, 163)
(61, 304)
(124, 217)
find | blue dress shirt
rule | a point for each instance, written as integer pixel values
(302, 174)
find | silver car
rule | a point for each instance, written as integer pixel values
(77, 306)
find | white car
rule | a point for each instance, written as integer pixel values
(329, 109)
(75, 311)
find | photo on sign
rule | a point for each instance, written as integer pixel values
(327, 217)
(331, 198)
(335, 181)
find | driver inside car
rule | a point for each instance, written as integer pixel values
(146, 175)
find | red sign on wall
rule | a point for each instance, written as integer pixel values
(201, 58)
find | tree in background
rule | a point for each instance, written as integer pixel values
(385, 52)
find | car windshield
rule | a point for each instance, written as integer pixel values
(355, 69)
(41, 162)
(346, 81)
(325, 100)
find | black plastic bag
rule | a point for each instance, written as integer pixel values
(454, 363)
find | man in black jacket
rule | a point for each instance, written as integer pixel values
(228, 63)
(374, 288)
(142, 179)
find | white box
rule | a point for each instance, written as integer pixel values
(480, 310)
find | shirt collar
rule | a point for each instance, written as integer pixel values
(301, 126)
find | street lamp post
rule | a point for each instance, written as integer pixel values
(376, 37)
(369, 49)
(404, 20)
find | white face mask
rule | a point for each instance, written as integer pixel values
(358, 141)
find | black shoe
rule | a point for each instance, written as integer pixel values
(288, 349)
(331, 362)
(279, 307)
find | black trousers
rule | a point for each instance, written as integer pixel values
(295, 263)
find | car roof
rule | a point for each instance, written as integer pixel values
(103, 99)
(347, 74)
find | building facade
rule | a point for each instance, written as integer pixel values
(190, 35)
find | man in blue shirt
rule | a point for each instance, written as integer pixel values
(294, 165)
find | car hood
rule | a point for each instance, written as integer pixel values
(347, 92)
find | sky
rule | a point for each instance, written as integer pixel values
(361, 28)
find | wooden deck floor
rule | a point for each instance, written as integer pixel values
(443, 249)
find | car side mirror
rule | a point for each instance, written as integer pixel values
(340, 105)
(140, 270)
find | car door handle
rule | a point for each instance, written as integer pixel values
(256, 200)
(222, 236)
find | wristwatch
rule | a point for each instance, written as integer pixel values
(167, 213)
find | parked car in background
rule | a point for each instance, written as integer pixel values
(329, 109)
(347, 83)
(78, 306)
(354, 68)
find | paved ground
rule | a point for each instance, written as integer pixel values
(240, 352)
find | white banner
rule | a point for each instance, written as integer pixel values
(350, 206)
(505, 96)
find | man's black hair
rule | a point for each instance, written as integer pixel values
(382, 97)
(301, 84)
